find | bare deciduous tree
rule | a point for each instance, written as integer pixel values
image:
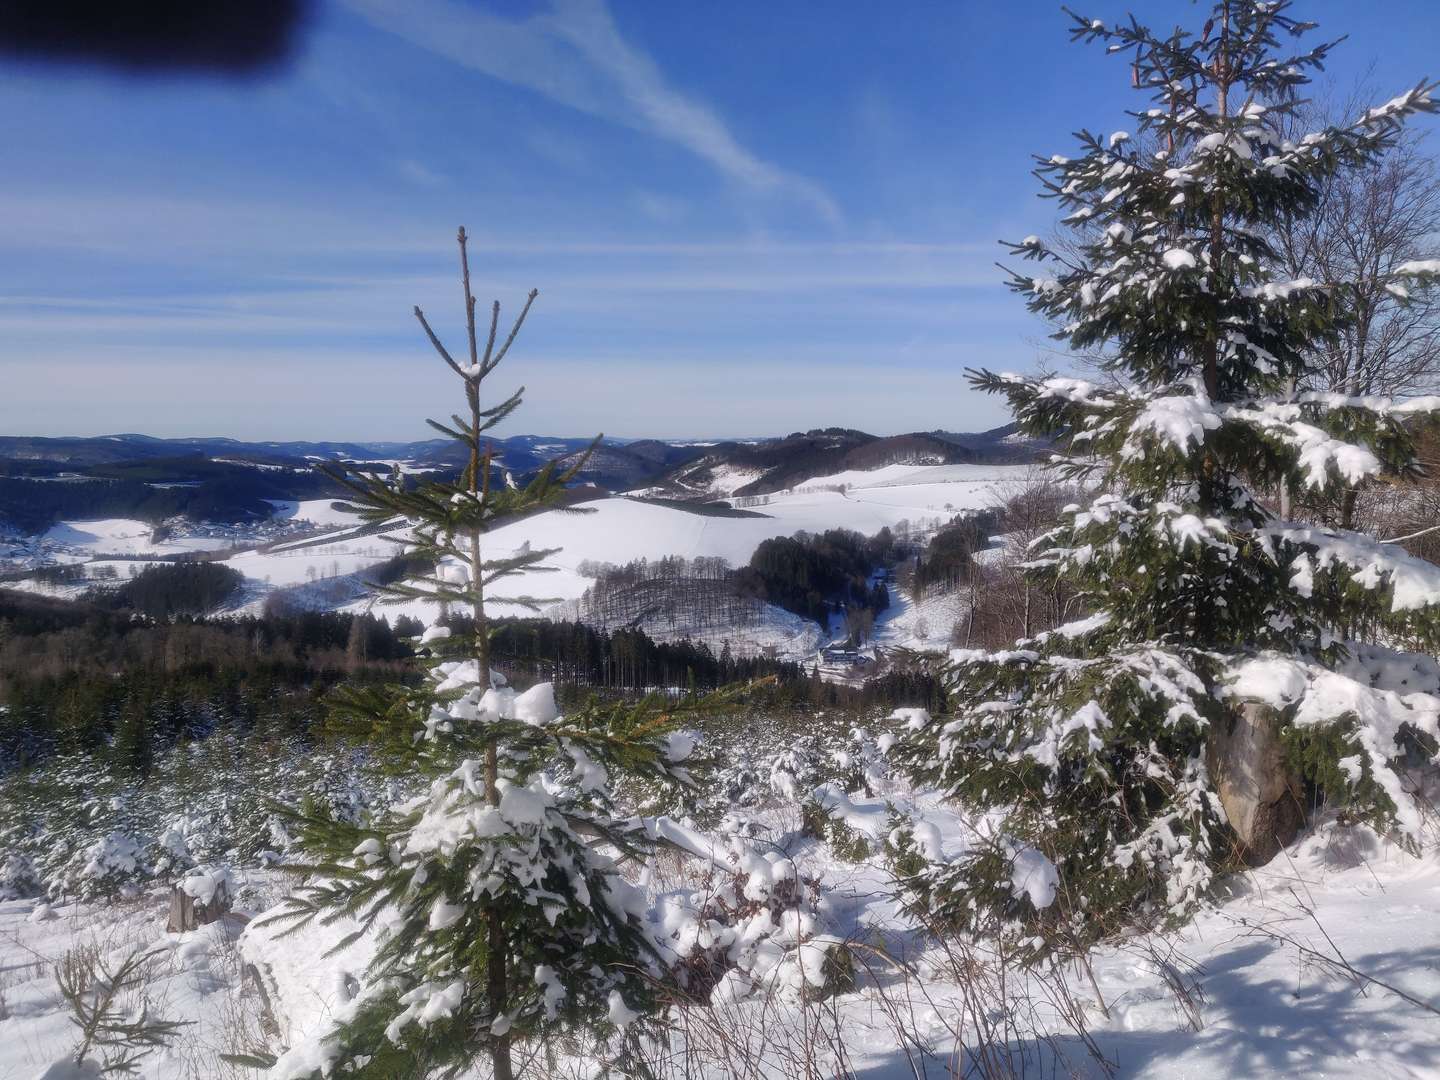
(1369, 221)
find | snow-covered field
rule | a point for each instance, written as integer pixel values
(616, 529)
(319, 512)
(123, 536)
(1326, 963)
(327, 570)
(982, 477)
(301, 564)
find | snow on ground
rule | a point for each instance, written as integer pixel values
(615, 529)
(123, 536)
(986, 476)
(925, 626)
(1003, 548)
(1264, 970)
(1260, 971)
(773, 632)
(319, 512)
(55, 590)
(305, 562)
(1268, 1009)
(193, 977)
(1303, 970)
(726, 479)
(925, 491)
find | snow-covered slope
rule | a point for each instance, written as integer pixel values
(925, 626)
(747, 629)
(123, 536)
(318, 512)
(1324, 964)
(618, 530)
(610, 529)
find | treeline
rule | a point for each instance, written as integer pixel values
(193, 487)
(946, 560)
(578, 657)
(78, 677)
(626, 659)
(42, 638)
(811, 574)
(82, 677)
(181, 588)
(131, 719)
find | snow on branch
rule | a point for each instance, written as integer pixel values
(1177, 420)
(1414, 582)
(1318, 454)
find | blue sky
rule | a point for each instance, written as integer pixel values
(743, 219)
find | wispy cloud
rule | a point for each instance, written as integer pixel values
(418, 172)
(575, 55)
(198, 224)
(660, 207)
(557, 149)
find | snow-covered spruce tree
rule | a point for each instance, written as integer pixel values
(1230, 661)
(495, 915)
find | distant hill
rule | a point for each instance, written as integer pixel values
(1001, 445)
(105, 449)
(740, 469)
(227, 480)
(616, 464)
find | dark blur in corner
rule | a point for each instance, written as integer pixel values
(233, 38)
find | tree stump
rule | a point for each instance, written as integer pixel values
(1256, 788)
(188, 913)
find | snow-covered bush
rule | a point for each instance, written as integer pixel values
(18, 877)
(113, 866)
(818, 820)
(796, 769)
(849, 758)
(737, 783)
(208, 801)
(173, 857)
(860, 764)
(753, 927)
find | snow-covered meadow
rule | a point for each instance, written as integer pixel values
(315, 554)
(1326, 962)
(618, 529)
(121, 536)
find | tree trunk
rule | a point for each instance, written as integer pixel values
(1258, 792)
(496, 945)
(187, 913)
